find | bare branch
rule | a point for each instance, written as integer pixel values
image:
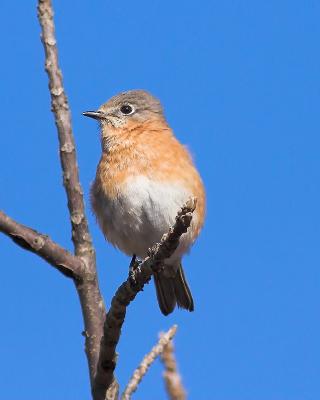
(145, 364)
(92, 304)
(128, 291)
(60, 107)
(172, 378)
(43, 246)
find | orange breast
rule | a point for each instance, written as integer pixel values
(148, 149)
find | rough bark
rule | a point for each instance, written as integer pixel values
(92, 304)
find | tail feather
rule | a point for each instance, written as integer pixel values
(182, 291)
(172, 291)
(165, 293)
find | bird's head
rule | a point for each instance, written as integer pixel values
(127, 108)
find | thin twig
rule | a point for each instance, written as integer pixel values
(92, 304)
(145, 364)
(128, 291)
(171, 376)
(43, 246)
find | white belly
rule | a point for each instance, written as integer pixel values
(140, 214)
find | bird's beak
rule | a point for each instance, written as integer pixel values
(94, 114)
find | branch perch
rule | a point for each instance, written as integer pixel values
(145, 364)
(128, 291)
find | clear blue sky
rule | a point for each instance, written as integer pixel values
(240, 83)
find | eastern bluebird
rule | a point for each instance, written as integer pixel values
(143, 178)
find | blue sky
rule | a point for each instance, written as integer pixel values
(240, 84)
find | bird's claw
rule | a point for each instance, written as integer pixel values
(134, 269)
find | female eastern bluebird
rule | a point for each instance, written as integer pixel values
(143, 178)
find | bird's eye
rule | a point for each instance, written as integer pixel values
(126, 109)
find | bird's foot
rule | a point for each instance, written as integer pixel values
(134, 268)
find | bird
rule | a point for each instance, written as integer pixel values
(143, 178)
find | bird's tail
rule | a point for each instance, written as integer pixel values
(172, 291)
